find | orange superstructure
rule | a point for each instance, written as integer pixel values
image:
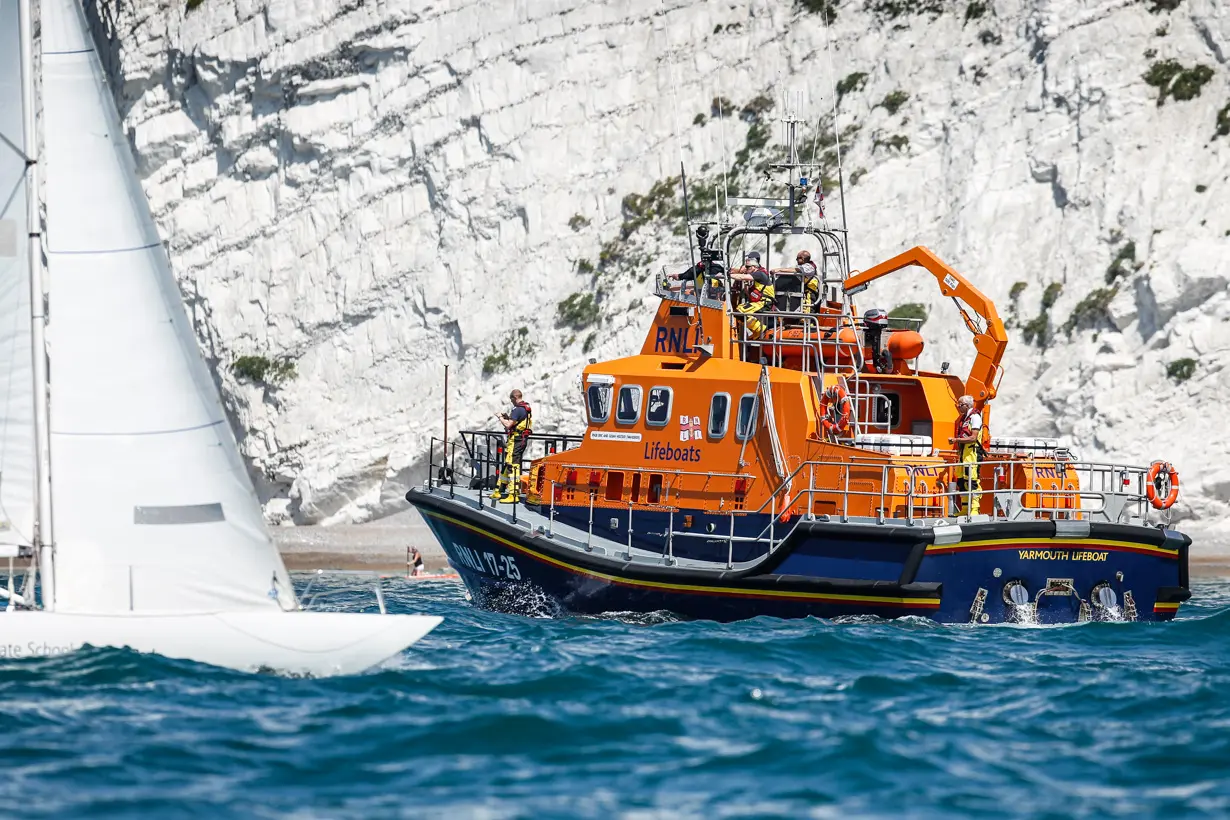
(685, 423)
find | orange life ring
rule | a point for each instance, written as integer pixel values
(842, 425)
(1161, 476)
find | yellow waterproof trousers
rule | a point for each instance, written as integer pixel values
(508, 488)
(748, 309)
(969, 483)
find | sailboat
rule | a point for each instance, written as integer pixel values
(121, 482)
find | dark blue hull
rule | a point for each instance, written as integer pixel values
(827, 570)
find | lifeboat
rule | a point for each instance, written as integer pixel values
(704, 481)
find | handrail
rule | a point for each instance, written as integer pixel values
(1103, 490)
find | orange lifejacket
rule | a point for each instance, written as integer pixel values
(524, 427)
(965, 430)
(758, 292)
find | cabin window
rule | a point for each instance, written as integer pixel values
(888, 410)
(719, 414)
(749, 411)
(614, 486)
(629, 409)
(598, 399)
(659, 410)
(636, 488)
(654, 496)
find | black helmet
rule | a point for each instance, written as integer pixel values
(751, 255)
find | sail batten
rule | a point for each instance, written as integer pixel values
(17, 449)
(154, 510)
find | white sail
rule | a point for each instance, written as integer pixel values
(153, 509)
(17, 460)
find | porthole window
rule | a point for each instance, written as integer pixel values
(658, 413)
(598, 401)
(629, 408)
(749, 410)
(719, 414)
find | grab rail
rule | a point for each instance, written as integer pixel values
(1104, 491)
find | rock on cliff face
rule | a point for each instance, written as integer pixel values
(356, 193)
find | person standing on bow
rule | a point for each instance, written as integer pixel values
(759, 293)
(518, 425)
(971, 440)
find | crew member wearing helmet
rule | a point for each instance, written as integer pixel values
(972, 437)
(760, 293)
(805, 271)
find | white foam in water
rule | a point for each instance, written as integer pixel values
(1023, 614)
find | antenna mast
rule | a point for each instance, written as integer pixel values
(797, 174)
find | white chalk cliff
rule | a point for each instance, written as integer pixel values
(369, 190)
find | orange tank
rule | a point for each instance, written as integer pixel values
(905, 344)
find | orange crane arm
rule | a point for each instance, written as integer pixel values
(990, 343)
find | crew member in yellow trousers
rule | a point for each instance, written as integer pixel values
(760, 293)
(518, 425)
(971, 439)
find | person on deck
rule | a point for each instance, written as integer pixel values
(971, 439)
(518, 425)
(759, 293)
(805, 270)
(705, 278)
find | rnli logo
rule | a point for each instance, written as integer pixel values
(689, 428)
(675, 340)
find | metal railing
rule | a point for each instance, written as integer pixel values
(483, 453)
(883, 492)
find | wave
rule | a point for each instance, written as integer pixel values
(504, 715)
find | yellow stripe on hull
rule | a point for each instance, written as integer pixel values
(1052, 544)
(930, 603)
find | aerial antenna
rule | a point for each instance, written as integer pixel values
(687, 217)
(703, 281)
(683, 177)
(717, 99)
(841, 180)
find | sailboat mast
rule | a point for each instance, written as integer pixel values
(44, 540)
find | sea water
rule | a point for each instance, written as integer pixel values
(505, 716)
